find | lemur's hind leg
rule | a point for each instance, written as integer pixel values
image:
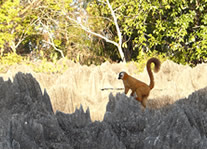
(132, 94)
(141, 98)
(139, 95)
(144, 101)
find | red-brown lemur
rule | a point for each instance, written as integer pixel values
(141, 89)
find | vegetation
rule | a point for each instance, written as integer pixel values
(37, 29)
(175, 28)
(43, 65)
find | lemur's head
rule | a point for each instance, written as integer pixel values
(121, 75)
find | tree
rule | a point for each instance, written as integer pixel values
(85, 27)
(13, 29)
(178, 29)
(175, 28)
(131, 19)
(50, 23)
(25, 23)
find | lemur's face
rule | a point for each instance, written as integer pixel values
(121, 75)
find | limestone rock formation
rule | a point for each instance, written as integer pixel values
(180, 125)
(81, 85)
(27, 120)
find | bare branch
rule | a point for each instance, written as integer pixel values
(118, 31)
(22, 37)
(91, 32)
(53, 45)
(87, 29)
(51, 40)
(34, 4)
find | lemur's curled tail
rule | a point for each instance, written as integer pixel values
(149, 70)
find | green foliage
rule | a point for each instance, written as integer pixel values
(41, 26)
(11, 59)
(49, 66)
(143, 57)
(176, 28)
(43, 65)
(177, 32)
(8, 60)
(8, 15)
(15, 25)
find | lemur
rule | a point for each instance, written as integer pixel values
(141, 89)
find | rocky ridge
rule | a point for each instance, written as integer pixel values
(28, 121)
